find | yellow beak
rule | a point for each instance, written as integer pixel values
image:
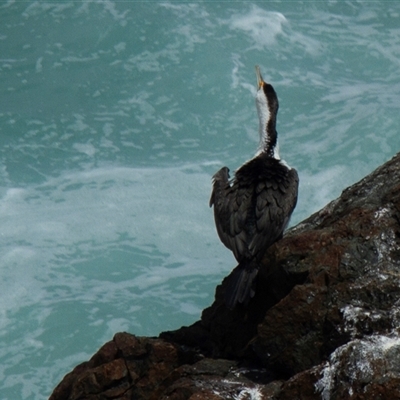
(260, 80)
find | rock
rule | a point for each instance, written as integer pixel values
(324, 323)
(126, 367)
(351, 253)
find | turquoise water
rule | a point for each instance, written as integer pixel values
(113, 118)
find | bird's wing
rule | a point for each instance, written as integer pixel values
(276, 198)
(231, 203)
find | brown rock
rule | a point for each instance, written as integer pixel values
(124, 367)
(324, 323)
(353, 276)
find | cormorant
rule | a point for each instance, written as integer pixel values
(252, 210)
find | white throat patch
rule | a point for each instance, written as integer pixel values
(263, 115)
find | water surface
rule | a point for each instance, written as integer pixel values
(113, 118)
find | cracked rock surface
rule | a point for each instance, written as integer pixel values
(324, 323)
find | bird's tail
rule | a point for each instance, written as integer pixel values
(241, 284)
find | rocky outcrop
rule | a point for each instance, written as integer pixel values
(324, 324)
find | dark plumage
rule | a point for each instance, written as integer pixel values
(253, 209)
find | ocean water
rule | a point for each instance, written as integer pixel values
(113, 117)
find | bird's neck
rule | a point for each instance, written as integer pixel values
(267, 130)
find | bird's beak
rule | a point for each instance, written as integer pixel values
(260, 80)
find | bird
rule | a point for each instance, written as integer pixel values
(252, 210)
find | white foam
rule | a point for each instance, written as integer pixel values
(119, 47)
(147, 202)
(357, 361)
(262, 26)
(69, 217)
(39, 66)
(249, 394)
(37, 8)
(86, 148)
(316, 190)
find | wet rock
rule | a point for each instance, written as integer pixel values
(324, 323)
